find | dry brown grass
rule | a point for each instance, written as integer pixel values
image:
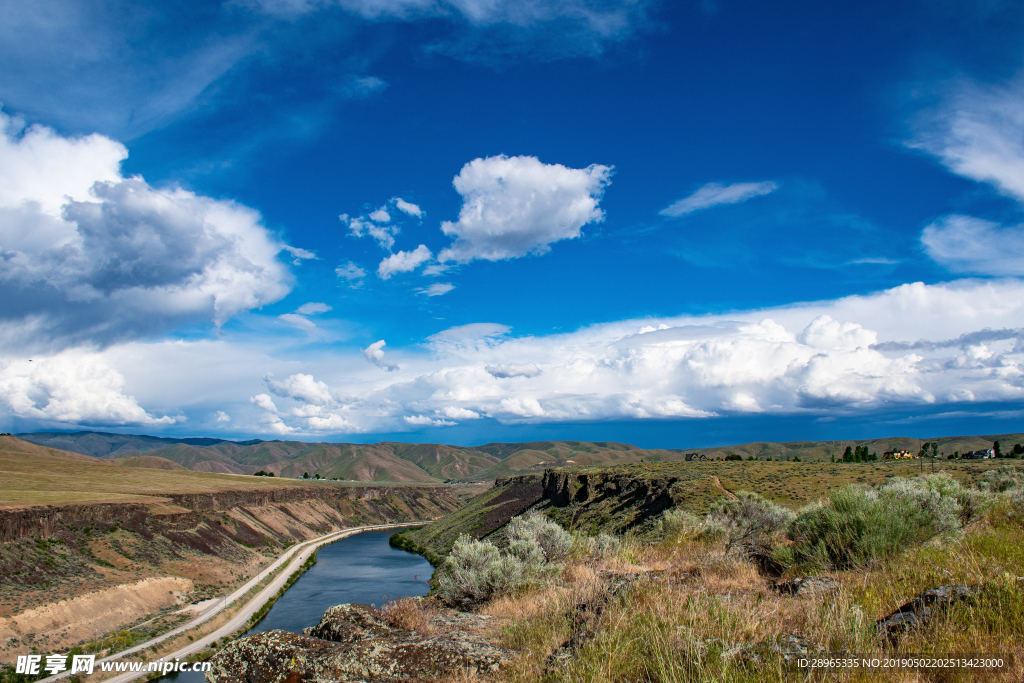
(412, 614)
(35, 475)
(698, 608)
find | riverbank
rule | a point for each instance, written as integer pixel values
(192, 638)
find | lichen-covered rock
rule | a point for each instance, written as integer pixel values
(351, 624)
(353, 643)
(806, 585)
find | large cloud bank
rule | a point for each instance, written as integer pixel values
(914, 345)
(72, 387)
(87, 255)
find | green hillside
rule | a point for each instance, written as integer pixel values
(429, 462)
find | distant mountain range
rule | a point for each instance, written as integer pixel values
(387, 461)
(403, 462)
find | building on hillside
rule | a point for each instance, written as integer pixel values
(695, 456)
(898, 454)
(979, 455)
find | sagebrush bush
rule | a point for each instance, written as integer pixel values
(554, 542)
(750, 524)
(857, 526)
(599, 547)
(1005, 478)
(1015, 505)
(678, 521)
(475, 571)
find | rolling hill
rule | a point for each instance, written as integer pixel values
(424, 463)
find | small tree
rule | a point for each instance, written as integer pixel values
(995, 448)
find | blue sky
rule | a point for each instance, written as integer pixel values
(671, 224)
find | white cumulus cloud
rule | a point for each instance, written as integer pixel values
(73, 387)
(714, 194)
(265, 402)
(384, 234)
(403, 262)
(514, 206)
(457, 413)
(424, 421)
(381, 215)
(954, 345)
(507, 370)
(375, 354)
(302, 387)
(88, 255)
(407, 207)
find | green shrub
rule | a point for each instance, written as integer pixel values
(858, 526)
(677, 520)
(553, 541)
(1005, 478)
(601, 546)
(475, 571)
(749, 524)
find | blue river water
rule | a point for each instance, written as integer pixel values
(362, 568)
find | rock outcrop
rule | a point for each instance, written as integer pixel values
(807, 585)
(354, 643)
(918, 611)
(185, 510)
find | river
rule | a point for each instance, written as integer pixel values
(362, 568)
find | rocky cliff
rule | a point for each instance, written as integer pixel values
(372, 503)
(615, 500)
(210, 541)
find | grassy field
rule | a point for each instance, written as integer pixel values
(33, 475)
(693, 486)
(678, 602)
(700, 615)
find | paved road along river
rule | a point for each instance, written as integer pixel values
(362, 568)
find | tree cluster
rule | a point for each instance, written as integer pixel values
(859, 454)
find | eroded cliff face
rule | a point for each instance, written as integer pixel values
(610, 501)
(613, 500)
(377, 502)
(208, 541)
